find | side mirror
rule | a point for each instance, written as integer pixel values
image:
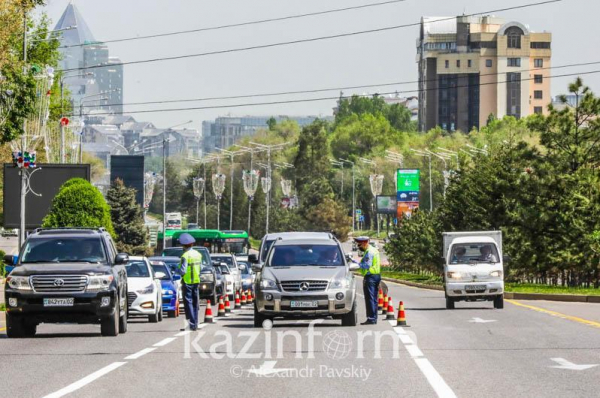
(353, 267)
(256, 267)
(122, 258)
(252, 258)
(9, 259)
(505, 259)
(159, 275)
(176, 277)
(349, 256)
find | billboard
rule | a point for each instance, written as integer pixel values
(45, 180)
(387, 205)
(130, 169)
(408, 186)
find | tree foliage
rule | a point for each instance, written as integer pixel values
(127, 219)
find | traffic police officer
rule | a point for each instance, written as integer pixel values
(189, 269)
(371, 271)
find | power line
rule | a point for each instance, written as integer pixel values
(314, 39)
(260, 21)
(330, 98)
(313, 91)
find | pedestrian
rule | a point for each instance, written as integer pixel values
(371, 271)
(189, 269)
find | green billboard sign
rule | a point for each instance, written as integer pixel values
(408, 180)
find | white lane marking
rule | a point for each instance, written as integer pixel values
(165, 342)
(435, 380)
(399, 329)
(140, 353)
(86, 380)
(413, 350)
(479, 320)
(183, 333)
(564, 364)
(405, 339)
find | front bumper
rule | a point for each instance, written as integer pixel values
(461, 289)
(87, 307)
(169, 302)
(327, 304)
(147, 300)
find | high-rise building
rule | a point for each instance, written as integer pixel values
(472, 67)
(79, 49)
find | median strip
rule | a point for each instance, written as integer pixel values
(557, 314)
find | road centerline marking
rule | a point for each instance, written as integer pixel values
(556, 314)
(86, 380)
(435, 380)
(141, 353)
(164, 342)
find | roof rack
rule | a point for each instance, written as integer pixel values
(67, 229)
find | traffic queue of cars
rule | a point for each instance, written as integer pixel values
(76, 275)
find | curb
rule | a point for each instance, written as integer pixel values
(568, 298)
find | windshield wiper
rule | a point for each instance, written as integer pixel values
(40, 261)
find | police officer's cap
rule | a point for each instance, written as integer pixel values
(187, 239)
(359, 239)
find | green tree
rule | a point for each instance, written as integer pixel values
(79, 204)
(127, 218)
(175, 191)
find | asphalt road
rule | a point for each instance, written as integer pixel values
(473, 351)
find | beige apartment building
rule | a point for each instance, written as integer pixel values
(471, 67)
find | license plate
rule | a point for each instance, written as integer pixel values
(303, 304)
(474, 287)
(59, 302)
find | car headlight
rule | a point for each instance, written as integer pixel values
(340, 283)
(147, 290)
(19, 282)
(167, 291)
(208, 277)
(453, 275)
(99, 283)
(268, 284)
(496, 274)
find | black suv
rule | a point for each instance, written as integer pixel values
(67, 275)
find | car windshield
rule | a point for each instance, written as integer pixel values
(224, 259)
(161, 267)
(474, 253)
(173, 222)
(137, 269)
(302, 255)
(64, 249)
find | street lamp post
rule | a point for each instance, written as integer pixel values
(353, 193)
(341, 166)
(231, 155)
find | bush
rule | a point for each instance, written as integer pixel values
(79, 204)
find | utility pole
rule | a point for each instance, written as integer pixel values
(231, 155)
(23, 139)
(165, 141)
(353, 194)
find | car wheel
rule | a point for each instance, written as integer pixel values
(351, 318)
(499, 302)
(123, 319)
(258, 318)
(154, 317)
(109, 326)
(17, 327)
(172, 314)
(449, 303)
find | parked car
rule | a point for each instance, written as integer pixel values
(236, 274)
(170, 292)
(305, 278)
(144, 296)
(247, 274)
(69, 275)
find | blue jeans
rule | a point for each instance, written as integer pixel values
(190, 304)
(371, 289)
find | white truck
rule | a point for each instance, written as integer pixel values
(473, 267)
(174, 221)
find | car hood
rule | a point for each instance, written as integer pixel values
(134, 284)
(303, 273)
(60, 268)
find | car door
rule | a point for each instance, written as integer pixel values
(156, 282)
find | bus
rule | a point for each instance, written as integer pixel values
(235, 242)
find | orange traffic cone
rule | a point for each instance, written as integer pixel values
(243, 298)
(227, 305)
(208, 315)
(380, 301)
(385, 305)
(221, 310)
(250, 296)
(238, 304)
(390, 310)
(401, 315)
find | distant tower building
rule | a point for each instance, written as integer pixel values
(79, 49)
(471, 67)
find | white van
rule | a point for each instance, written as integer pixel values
(473, 267)
(174, 221)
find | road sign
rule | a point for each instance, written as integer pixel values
(358, 212)
(361, 219)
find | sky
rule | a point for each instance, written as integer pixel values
(368, 59)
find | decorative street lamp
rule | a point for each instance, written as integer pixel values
(198, 188)
(218, 184)
(250, 179)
